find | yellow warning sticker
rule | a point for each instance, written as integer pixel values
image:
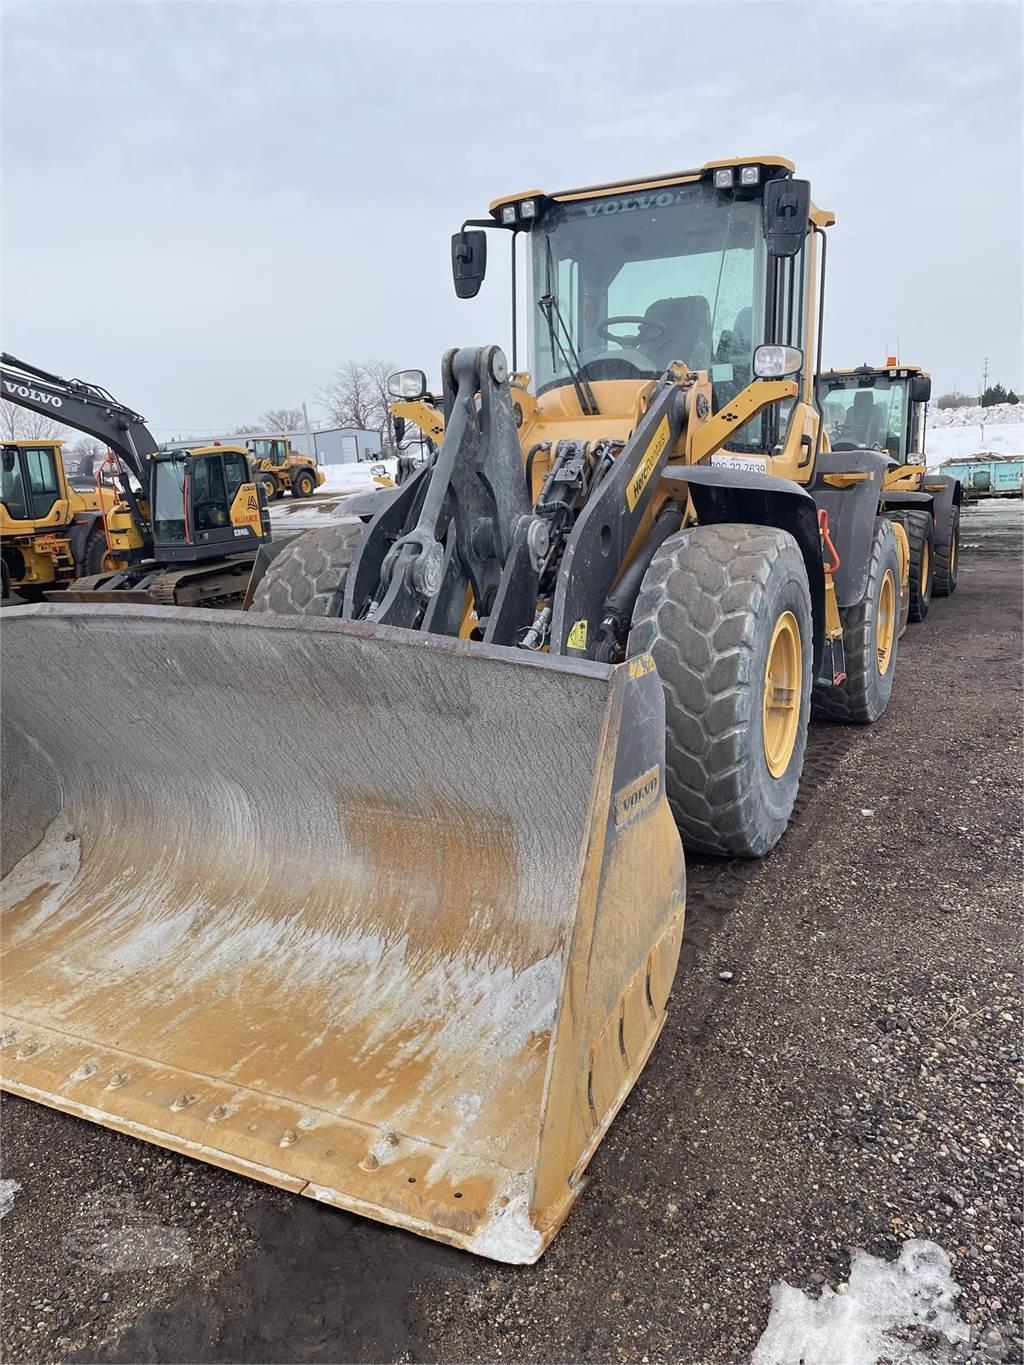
(577, 636)
(641, 666)
(641, 478)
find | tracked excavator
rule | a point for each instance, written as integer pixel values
(598, 618)
(184, 526)
(886, 408)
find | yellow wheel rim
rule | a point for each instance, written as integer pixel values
(926, 564)
(783, 678)
(885, 633)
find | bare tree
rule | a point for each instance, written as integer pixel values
(283, 419)
(357, 396)
(19, 424)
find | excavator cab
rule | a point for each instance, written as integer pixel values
(30, 483)
(205, 503)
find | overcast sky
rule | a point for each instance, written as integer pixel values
(208, 207)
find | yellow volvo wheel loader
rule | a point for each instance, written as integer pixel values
(50, 532)
(183, 527)
(613, 587)
(885, 408)
(280, 469)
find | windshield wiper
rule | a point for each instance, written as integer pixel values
(548, 305)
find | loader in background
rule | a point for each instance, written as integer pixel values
(179, 526)
(50, 532)
(621, 582)
(885, 409)
(281, 469)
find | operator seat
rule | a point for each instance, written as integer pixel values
(687, 323)
(864, 425)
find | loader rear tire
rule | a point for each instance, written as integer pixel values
(870, 637)
(308, 577)
(920, 529)
(947, 558)
(725, 611)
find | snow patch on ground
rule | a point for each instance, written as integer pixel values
(8, 1189)
(890, 1312)
(355, 478)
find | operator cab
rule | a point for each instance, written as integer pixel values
(205, 503)
(877, 409)
(699, 268)
(29, 479)
(274, 450)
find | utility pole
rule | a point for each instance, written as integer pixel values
(984, 380)
(310, 438)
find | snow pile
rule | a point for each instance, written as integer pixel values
(874, 1320)
(975, 415)
(954, 433)
(355, 478)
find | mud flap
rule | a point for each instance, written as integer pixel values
(406, 955)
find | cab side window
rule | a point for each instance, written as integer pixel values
(44, 489)
(208, 494)
(236, 472)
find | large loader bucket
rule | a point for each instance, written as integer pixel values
(385, 919)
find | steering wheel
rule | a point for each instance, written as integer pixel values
(652, 331)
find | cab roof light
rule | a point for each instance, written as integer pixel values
(528, 208)
(750, 175)
(508, 215)
(724, 178)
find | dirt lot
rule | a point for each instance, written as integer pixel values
(855, 1083)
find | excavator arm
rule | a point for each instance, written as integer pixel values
(90, 409)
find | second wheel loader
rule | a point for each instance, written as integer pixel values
(621, 581)
(280, 469)
(884, 408)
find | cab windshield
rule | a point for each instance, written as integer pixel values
(869, 413)
(274, 451)
(633, 282)
(169, 501)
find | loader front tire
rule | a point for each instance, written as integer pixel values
(95, 552)
(920, 529)
(308, 577)
(271, 487)
(870, 636)
(725, 611)
(947, 558)
(303, 485)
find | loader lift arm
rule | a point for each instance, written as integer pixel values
(92, 410)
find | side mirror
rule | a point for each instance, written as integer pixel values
(777, 362)
(787, 207)
(920, 388)
(407, 384)
(469, 262)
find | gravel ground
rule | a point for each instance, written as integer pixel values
(855, 1082)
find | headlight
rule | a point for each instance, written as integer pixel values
(407, 384)
(777, 362)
